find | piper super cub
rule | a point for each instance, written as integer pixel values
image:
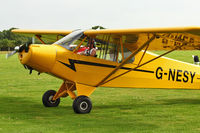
(86, 59)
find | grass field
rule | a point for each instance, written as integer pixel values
(114, 109)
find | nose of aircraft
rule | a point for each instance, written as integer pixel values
(24, 54)
(38, 57)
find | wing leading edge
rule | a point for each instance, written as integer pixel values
(166, 38)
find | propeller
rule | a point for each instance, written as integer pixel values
(16, 49)
(20, 49)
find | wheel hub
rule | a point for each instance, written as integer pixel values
(50, 99)
(83, 105)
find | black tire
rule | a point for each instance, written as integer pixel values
(82, 105)
(46, 99)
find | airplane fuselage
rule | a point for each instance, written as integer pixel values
(66, 65)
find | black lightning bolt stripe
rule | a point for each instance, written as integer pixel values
(72, 66)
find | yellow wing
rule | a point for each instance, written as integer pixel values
(45, 35)
(166, 38)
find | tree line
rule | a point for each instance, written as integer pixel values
(9, 40)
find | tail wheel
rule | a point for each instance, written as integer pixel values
(82, 105)
(47, 99)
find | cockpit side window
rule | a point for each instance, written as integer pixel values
(69, 39)
(111, 49)
(103, 47)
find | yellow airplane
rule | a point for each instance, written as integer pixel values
(86, 59)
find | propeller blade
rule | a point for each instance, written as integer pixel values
(16, 49)
(10, 54)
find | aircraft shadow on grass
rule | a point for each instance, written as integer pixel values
(18, 104)
(182, 101)
(186, 101)
(31, 111)
(25, 106)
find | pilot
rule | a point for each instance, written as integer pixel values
(92, 48)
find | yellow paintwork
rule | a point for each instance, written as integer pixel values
(139, 79)
(161, 73)
(84, 90)
(167, 39)
(49, 63)
(65, 89)
(193, 30)
(38, 54)
(41, 32)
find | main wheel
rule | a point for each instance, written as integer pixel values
(82, 105)
(47, 99)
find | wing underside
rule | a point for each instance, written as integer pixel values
(165, 38)
(48, 36)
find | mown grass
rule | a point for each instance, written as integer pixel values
(114, 109)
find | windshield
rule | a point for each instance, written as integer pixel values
(99, 46)
(70, 39)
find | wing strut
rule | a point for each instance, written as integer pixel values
(39, 38)
(122, 49)
(177, 47)
(126, 60)
(76, 49)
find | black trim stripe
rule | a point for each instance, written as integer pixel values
(72, 66)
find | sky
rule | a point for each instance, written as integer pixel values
(112, 14)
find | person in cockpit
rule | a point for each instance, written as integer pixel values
(90, 50)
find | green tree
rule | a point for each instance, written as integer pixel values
(10, 40)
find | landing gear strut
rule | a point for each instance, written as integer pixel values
(81, 105)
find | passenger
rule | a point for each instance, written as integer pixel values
(90, 50)
(82, 50)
